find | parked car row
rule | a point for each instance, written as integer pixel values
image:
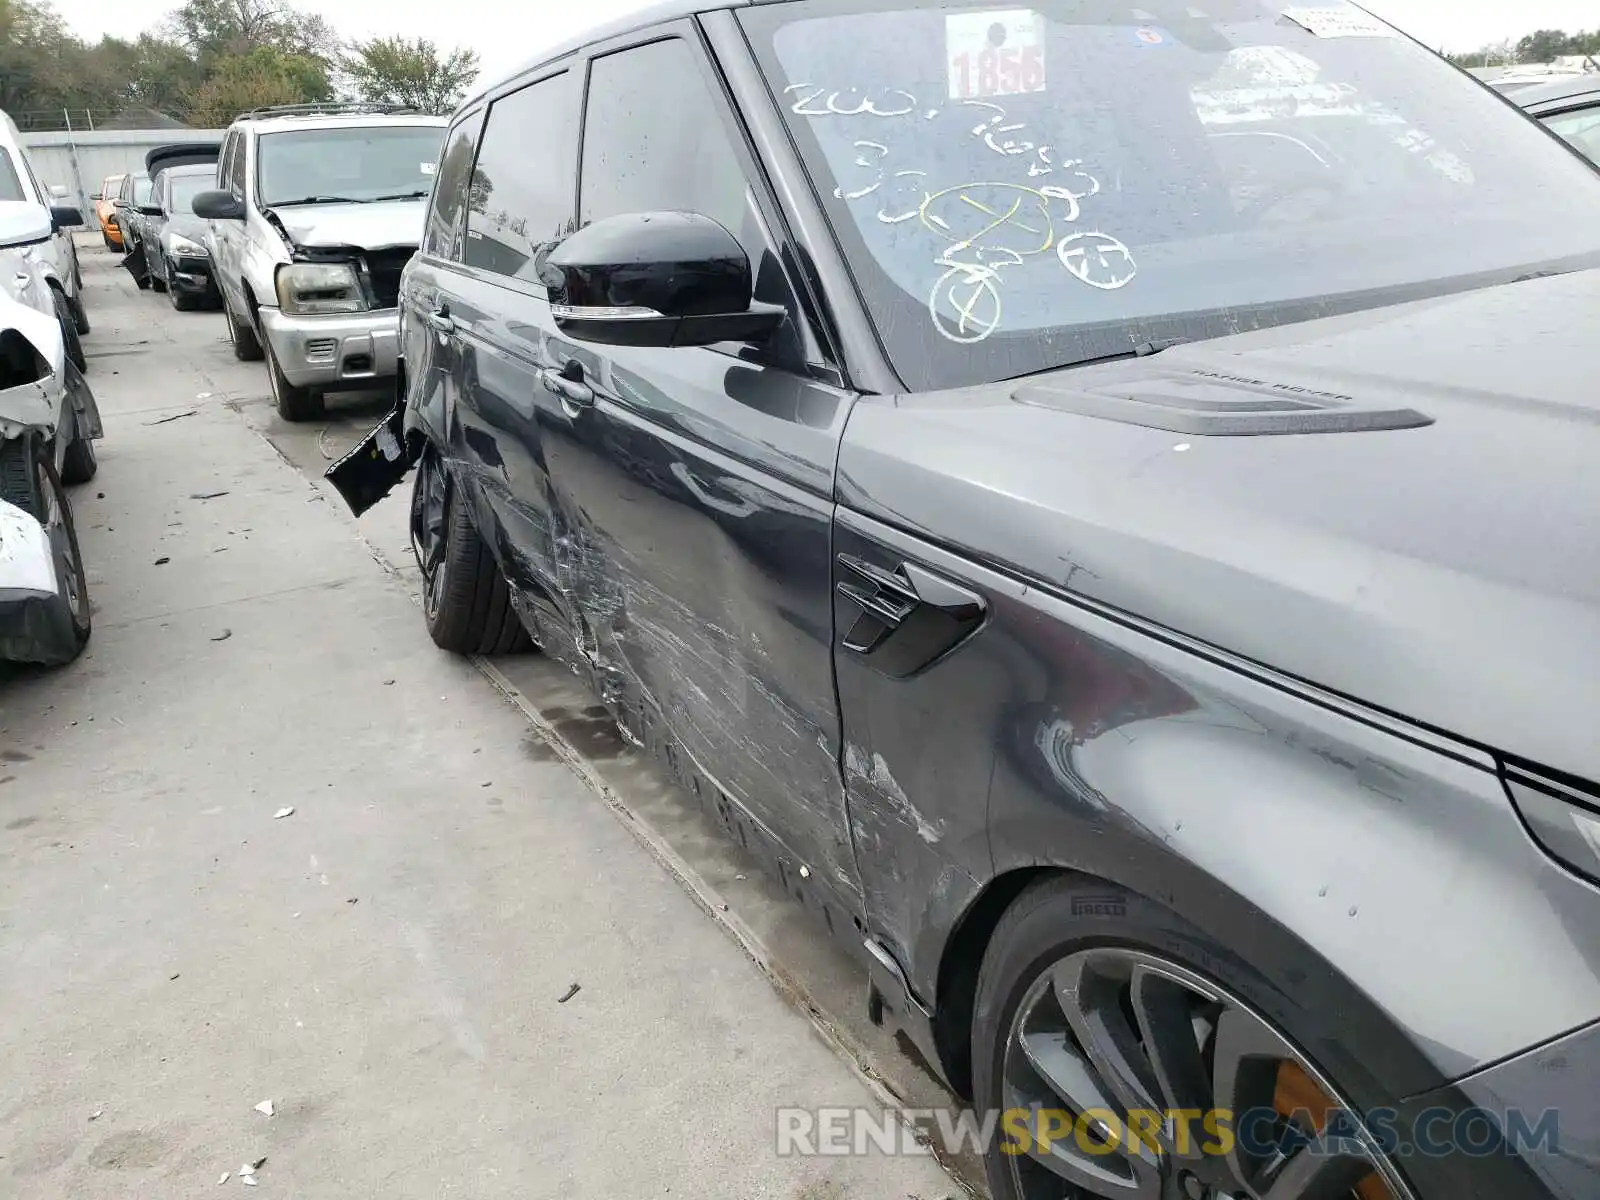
(1100, 498)
(48, 417)
(163, 241)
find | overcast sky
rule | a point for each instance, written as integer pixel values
(507, 34)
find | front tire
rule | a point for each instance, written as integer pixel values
(69, 332)
(246, 346)
(294, 403)
(465, 599)
(79, 464)
(1091, 1000)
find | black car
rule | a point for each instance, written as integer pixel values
(176, 257)
(1570, 107)
(1102, 499)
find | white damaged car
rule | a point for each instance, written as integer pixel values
(46, 410)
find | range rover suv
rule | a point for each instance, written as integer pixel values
(1102, 499)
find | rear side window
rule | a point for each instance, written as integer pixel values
(10, 184)
(654, 141)
(233, 179)
(443, 233)
(519, 199)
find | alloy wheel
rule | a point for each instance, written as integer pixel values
(429, 520)
(1109, 1032)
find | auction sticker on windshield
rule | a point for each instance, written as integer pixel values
(994, 53)
(1344, 21)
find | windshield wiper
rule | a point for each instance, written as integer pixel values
(404, 195)
(317, 200)
(1137, 350)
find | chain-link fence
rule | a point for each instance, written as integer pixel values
(92, 120)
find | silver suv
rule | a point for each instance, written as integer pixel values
(317, 210)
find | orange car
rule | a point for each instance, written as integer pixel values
(105, 211)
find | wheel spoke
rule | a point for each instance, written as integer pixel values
(1092, 1004)
(1314, 1173)
(1096, 1167)
(1165, 1011)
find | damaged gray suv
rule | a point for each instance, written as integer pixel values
(1102, 499)
(317, 209)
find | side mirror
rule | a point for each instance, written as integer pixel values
(219, 206)
(149, 210)
(655, 279)
(65, 216)
(97, 197)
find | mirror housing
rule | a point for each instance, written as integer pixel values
(655, 279)
(65, 216)
(219, 206)
(149, 210)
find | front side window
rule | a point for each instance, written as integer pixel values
(442, 234)
(142, 189)
(183, 189)
(358, 164)
(1021, 188)
(519, 199)
(10, 182)
(654, 141)
(1581, 128)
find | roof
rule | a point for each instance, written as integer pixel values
(267, 124)
(1552, 94)
(656, 14)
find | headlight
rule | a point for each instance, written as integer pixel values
(183, 246)
(307, 289)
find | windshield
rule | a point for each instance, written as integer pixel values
(1581, 128)
(186, 187)
(1018, 189)
(362, 163)
(10, 182)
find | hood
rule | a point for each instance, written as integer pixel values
(365, 226)
(1436, 553)
(186, 225)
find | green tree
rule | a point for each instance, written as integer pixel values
(1544, 45)
(397, 70)
(262, 77)
(157, 72)
(214, 31)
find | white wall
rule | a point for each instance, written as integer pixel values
(78, 161)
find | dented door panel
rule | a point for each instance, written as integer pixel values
(504, 435)
(702, 488)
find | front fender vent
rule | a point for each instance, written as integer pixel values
(1216, 404)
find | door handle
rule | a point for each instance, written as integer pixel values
(568, 384)
(440, 319)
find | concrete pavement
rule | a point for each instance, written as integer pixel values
(386, 964)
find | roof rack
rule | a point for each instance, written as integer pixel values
(333, 108)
